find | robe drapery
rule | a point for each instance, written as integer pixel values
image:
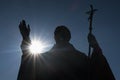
(63, 62)
(99, 67)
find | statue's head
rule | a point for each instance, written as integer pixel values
(62, 34)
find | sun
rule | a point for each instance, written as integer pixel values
(37, 47)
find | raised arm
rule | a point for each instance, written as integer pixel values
(26, 68)
(25, 32)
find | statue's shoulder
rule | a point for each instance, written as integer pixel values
(80, 53)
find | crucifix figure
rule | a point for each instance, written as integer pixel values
(91, 13)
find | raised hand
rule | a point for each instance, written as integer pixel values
(24, 30)
(92, 41)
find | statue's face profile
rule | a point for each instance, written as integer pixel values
(62, 34)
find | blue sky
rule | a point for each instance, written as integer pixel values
(43, 17)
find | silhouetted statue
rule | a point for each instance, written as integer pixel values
(62, 62)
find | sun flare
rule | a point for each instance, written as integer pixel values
(37, 47)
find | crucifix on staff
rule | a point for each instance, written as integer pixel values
(91, 13)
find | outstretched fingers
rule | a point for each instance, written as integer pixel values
(24, 29)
